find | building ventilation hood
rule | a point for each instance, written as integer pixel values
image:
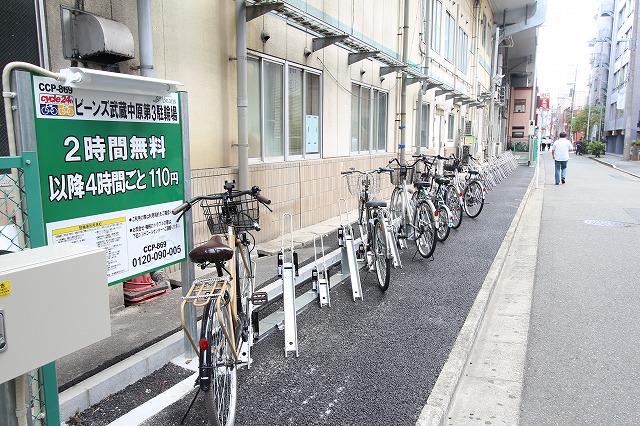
(103, 40)
(92, 38)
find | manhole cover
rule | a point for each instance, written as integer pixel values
(607, 223)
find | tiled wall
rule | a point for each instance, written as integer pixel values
(308, 190)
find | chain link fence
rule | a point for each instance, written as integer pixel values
(14, 236)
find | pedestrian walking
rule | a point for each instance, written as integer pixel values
(579, 147)
(560, 153)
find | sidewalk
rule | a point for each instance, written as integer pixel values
(615, 161)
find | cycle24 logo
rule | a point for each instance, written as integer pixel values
(56, 105)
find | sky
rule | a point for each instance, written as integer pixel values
(563, 46)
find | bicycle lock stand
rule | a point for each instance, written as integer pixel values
(347, 244)
(320, 280)
(288, 270)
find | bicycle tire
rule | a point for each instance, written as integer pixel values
(424, 225)
(221, 396)
(473, 199)
(454, 204)
(396, 210)
(243, 277)
(443, 226)
(381, 259)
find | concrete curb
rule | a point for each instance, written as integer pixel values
(613, 166)
(117, 377)
(438, 404)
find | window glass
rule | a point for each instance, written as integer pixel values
(273, 110)
(253, 110)
(484, 30)
(451, 38)
(436, 27)
(424, 126)
(312, 111)
(380, 126)
(365, 118)
(355, 117)
(295, 111)
(463, 53)
(451, 127)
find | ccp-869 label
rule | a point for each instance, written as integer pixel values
(154, 252)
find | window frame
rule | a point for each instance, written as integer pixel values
(450, 42)
(373, 121)
(286, 66)
(436, 27)
(463, 57)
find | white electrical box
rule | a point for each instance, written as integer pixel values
(53, 301)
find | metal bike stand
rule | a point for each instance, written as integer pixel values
(319, 277)
(288, 269)
(349, 258)
(395, 253)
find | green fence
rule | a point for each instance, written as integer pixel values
(21, 227)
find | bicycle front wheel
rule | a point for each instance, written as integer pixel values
(454, 204)
(396, 210)
(220, 397)
(425, 229)
(381, 259)
(473, 199)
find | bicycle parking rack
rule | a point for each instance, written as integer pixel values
(288, 270)
(349, 259)
(320, 279)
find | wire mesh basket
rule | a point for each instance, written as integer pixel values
(451, 164)
(356, 182)
(243, 211)
(401, 174)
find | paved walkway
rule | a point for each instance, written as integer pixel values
(558, 342)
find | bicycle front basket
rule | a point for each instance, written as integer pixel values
(401, 174)
(451, 164)
(243, 211)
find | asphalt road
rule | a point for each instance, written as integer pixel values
(373, 361)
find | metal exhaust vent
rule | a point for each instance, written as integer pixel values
(92, 38)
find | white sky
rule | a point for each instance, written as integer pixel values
(563, 45)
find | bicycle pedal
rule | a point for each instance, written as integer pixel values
(259, 298)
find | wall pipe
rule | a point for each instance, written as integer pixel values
(145, 39)
(242, 100)
(403, 93)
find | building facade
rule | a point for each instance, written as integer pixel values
(622, 115)
(329, 85)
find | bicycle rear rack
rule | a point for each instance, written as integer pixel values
(201, 292)
(288, 269)
(346, 242)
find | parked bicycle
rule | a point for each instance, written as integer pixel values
(415, 221)
(228, 329)
(379, 247)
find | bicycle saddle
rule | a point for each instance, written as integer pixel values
(442, 180)
(376, 203)
(474, 172)
(421, 184)
(214, 250)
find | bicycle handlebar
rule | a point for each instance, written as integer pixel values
(367, 172)
(229, 195)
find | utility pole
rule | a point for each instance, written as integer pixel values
(573, 98)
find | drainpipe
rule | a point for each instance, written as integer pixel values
(427, 59)
(494, 70)
(145, 38)
(242, 99)
(403, 93)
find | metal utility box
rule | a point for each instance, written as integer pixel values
(54, 301)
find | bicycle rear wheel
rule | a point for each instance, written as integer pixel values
(425, 230)
(382, 261)
(218, 363)
(473, 199)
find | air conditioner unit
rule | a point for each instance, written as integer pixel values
(468, 125)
